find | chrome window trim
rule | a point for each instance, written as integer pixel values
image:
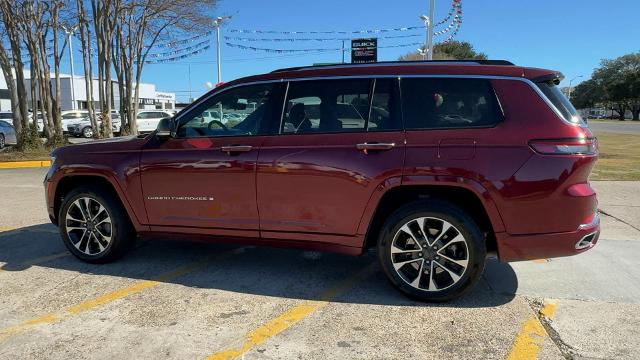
(531, 84)
(284, 107)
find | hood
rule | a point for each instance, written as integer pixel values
(116, 144)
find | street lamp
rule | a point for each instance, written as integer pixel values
(428, 24)
(217, 23)
(571, 88)
(69, 31)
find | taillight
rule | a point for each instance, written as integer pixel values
(565, 146)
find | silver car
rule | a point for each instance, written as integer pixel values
(7, 134)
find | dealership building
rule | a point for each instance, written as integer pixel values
(74, 90)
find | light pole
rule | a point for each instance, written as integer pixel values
(428, 24)
(570, 87)
(217, 23)
(69, 32)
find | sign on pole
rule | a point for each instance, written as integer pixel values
(364, 51)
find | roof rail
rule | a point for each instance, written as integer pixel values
(414, 62)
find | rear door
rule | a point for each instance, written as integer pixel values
(454, 130)
(316, 176)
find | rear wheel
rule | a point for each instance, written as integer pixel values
(94, 226)
(432, 250)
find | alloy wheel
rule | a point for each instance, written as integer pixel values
(88, 225)
(87, 132)
(430, 254)
(1, 141)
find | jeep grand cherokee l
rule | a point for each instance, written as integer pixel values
(437, 164)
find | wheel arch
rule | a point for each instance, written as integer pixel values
(466, 194)
(69, 182)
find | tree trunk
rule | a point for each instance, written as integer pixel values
(87, 64)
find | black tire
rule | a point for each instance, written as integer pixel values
(122, 233)
(2, 141)
(462, 224)
(87, 132)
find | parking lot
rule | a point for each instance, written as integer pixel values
(174, 299)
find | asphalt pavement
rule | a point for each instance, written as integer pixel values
(620, 127)
(177, 299)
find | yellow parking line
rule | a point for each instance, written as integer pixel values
(291, 317)
(24, 164)
(531, 336)
(6, 228)
(106, 298)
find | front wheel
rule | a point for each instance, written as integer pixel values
(432, 250)
(87, 132)
(94, 226)
(2, 144)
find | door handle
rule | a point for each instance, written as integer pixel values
(375, 146)
(236, 148)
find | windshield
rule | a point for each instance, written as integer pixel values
(561, 103)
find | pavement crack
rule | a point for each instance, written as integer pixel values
(617, 218)
(567, 351)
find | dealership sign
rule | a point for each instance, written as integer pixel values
(364, 50)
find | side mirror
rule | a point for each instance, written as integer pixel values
(164, 128)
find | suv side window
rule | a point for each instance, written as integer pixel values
(326, 106)
(432, 103)
(235, 112)
(385, 113)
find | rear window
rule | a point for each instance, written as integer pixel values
(561, 103)
(432, 103)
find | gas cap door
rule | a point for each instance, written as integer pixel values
(457, 149)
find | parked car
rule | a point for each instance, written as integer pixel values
(148, 119)
(71, 117)
(7, 133)
(460, 160)
(83, 128)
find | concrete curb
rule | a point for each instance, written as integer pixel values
(25, 164)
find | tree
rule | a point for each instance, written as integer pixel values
(140, 25)
(587, 94)
(448, 50)
(615, 84)
(84, 27)
(11, 62)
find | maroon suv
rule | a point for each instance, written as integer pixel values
(437, 164)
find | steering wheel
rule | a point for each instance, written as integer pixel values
(216, 122)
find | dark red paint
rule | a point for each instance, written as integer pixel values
(317, 191)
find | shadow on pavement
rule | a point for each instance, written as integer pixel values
(260, 271)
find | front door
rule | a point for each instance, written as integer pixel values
(205, 176)
(316, 176)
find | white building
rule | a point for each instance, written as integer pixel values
(5, 99)
(150, 98)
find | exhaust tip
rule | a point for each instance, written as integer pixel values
(587, 241)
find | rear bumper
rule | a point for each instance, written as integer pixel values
(539, 246)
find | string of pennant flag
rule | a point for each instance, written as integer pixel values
(251, 39)
(177, 58)
(369, 31)
(281, 51)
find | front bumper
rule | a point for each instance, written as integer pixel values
(540, 246)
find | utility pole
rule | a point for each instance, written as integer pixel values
(69, 32)
(217, 23)
(428, 24)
